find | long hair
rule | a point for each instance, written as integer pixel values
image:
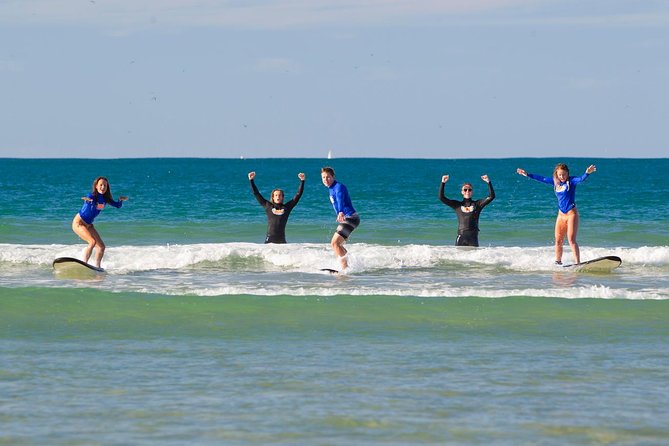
(107, 194)
(559, 166)
(271, 197)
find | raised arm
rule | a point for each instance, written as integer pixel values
(591, 169)
(539, 178)
(300, 189)
(256, 192)
(447, 201)
(491, 192)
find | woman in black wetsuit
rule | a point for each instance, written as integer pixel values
(277, 211)
(467, 210)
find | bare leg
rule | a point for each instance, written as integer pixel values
(337, 244)
(560, 232)
(99, 246)
(88, 234)
(572, 230)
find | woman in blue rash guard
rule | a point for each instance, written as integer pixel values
(276, 210)
(566, 223)
(82, 224)
(467, 210)
(347, 217)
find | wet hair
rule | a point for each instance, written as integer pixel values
(107, 194)
(471, 186)
(559, 166)
(329, 170)
(271, 197)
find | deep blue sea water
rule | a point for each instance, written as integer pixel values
(200, 333)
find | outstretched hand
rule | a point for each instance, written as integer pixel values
(591, 168)
(522, 172)
(301, 176)
(444, 178)
(123, 198)
(485, 178)
(252, 175)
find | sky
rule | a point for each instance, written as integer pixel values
(359, 78)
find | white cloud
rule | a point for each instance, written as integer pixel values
(240, 13)
(280, 14)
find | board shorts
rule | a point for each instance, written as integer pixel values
(350, 223)
(467, 238)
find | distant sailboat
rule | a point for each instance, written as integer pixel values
(329, 154)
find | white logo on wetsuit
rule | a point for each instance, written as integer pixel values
(467, 209)
(276, 211)
(562, 187)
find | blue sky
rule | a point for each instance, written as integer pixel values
(377, 78)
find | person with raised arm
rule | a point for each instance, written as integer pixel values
(566, 223)
(276, 210)
(467, 210)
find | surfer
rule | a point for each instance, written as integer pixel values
(277, 211)
(347, 217)
(467, 210)
(82, 224)
(566, 223)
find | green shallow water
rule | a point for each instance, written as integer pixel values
(63, 313)
(268, 358)
(82, 366)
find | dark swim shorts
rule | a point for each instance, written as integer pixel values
(345, 229)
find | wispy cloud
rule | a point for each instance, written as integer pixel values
(10, 66)
(588, 84)
(278, 14)
(277, 65)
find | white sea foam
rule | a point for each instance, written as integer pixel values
(306, 257)
(591, 292)
(294, 269)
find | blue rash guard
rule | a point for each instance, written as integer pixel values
(92, 209)
(340, 199)
(565, 192)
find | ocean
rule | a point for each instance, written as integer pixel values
(199, 333)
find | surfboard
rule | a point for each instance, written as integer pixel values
(75, 268)
(598, 265)
(331, 271)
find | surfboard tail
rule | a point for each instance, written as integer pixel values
(599, 265)
(69, 267)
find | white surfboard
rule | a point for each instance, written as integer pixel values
(598, 265)
(75, 268)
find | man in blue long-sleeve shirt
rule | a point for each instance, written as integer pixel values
(346, 215)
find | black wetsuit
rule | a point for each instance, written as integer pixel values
(277, 214)
(468, 212)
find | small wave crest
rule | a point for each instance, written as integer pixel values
(305, 257)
